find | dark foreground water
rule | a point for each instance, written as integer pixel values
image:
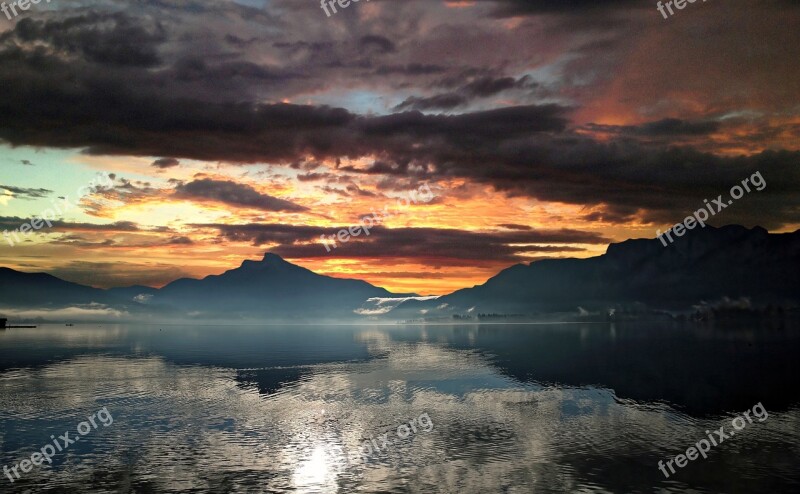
(465, 409)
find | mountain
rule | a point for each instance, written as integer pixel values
(703, 266)
(271, 288)
(40, 290)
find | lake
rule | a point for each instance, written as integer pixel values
(448, 408)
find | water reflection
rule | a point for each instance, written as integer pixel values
(283, 409)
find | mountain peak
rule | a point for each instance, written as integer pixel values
(268, 287)
(269, 261)
(271, 258)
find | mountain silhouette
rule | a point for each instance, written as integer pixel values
(703, 267)
(270, 287)
(40, 290)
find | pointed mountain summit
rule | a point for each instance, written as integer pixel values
(272, 288)
(270, 261)
(267, 289)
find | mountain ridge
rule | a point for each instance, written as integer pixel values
(707, 265)
(701, 267)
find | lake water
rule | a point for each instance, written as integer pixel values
(464, 409)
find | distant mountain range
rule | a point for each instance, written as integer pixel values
(40, 290)
(703, 267)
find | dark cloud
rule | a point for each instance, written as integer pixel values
(628, 180)
(675, 126)
(333, 190)
(502, 123)
(239, 42)
(194, 69)
(534, 7)
(293, 242)
(13, 222)
(84, 243)
(25, 193)
(180, 240)
(610, 216)
(260, 234)
(355, 190)
(488, 86)
(411, 69)
(164, 163)
(481, 87)
(439, 102)
(209, 95)
(582, 7)
(233, 194)
(104, 38)
(312, 177)
(520, 150)
(380, 168)
(100, 112)
(378, 43)
(668, 127)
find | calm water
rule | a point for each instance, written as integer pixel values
(512, 409)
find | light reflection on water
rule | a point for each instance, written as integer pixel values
(283, 409)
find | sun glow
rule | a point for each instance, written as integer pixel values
(316, 471)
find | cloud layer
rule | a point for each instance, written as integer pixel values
(602, 116)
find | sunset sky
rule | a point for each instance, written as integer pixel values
(545, 128)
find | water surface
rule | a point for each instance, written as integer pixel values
(513, 408)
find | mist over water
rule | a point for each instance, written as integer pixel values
(514, 408)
